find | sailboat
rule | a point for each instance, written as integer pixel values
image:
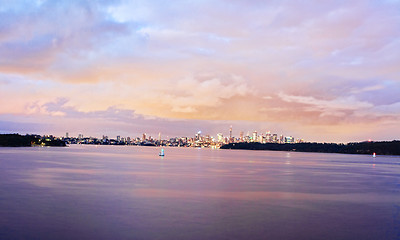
(374, 155)
(161, 152)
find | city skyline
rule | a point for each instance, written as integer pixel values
(254, 136)
(323, 71)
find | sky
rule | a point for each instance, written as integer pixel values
(326, 71)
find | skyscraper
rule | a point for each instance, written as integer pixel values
(268, 137)
(254, 136)
(220, 137)
(198, 136)
(230, 135)
(241, 136)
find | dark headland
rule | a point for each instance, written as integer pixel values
(380, 148)
(16, 140)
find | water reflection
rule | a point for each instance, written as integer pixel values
(111, 192)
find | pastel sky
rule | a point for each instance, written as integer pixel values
(319, 70)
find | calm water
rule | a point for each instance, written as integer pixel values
(128, 192)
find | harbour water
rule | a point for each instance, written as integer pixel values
(130, 192)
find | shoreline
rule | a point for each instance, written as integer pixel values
(365, 148)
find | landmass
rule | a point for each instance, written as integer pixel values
(17, 140)
(369, 147)
(379, 148)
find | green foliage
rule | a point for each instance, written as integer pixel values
(16, 140)
(380, 148)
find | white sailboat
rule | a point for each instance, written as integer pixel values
(161, 152)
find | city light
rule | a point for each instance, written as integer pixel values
(199, 140)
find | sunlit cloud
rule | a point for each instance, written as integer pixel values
(335, 107)
(308, 69)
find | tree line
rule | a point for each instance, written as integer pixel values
(16, 140)
(380, 148)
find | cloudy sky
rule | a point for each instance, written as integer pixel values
(319, 70)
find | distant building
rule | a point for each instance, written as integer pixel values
(289, 139)
(268, 137)
(261, 139)
(254, 139)
(281, 139)
(198, 136)
(220, 137)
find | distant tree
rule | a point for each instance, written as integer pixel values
(380, 148)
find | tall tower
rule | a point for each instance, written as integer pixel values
(230, 132)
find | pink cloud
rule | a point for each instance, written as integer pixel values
(330, 63)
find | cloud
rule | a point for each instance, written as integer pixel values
(368, 88)
(325, 62)
(33, 40)
(189, 93)
(336, 107)
(113, 121)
